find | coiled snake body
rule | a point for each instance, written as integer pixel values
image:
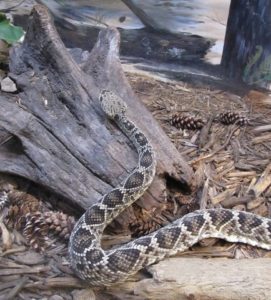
(99, 267)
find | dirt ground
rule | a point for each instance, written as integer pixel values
(232, 169)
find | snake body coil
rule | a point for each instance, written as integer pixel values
(99, 267)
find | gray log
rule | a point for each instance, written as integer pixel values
(203, 279)
(61, 138)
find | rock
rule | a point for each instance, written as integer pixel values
(7, 85)
(85, 294)
(56, 297)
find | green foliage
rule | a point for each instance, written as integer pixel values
(9, 32)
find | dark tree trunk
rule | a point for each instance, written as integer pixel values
(54, 132)
(247, 49)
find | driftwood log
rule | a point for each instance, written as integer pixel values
(146, 42)
(61, 139)
(202, 279)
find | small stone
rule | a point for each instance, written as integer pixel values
(240, 207)
(7, 85)
(56, 297)
(84, 294)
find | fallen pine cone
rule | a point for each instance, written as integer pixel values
(20, 204)
(186, 122)
(35, 231)
(38, 225)
(3, 200)
(145, 223)
(230, 117)
(59, 223)
(27, 215)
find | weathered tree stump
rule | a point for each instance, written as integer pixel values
(247, 48)
(61, 139)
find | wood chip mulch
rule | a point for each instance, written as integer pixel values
(232, 169)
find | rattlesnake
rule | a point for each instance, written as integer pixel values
(99, 267)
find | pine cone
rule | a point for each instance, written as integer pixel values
(186, 122)
(20, 204)
(3, 200)
(39, 225)
(230, 117)
(59, 223)
(26, 214)
(144, 222)
(36, 231)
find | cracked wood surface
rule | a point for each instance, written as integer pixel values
(60, 136)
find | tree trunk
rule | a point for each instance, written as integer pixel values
(58, 135)
(247, 49)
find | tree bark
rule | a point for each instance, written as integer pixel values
(247, 48)
(202, 279)
(60, 136)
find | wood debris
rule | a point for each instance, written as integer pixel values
(231, 170)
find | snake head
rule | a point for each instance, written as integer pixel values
(112, 104)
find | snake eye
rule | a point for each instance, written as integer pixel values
(103, 94)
